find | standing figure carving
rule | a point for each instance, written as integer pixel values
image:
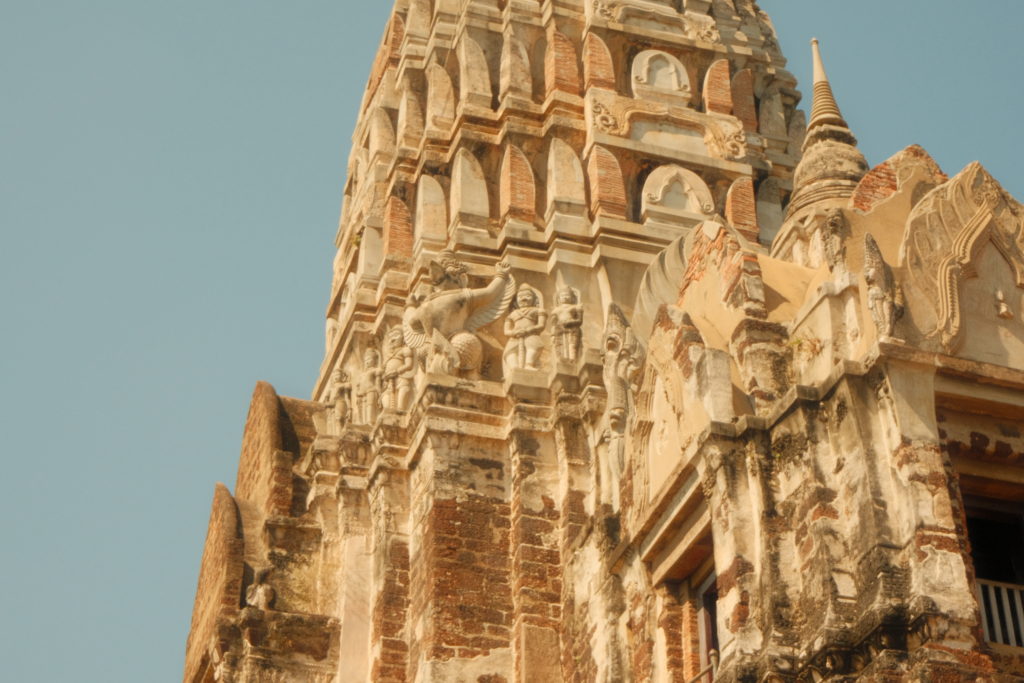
(567, 324)
(330, 333)
(339, 398)
(222, 672)
(260, 594)
(446, 321)
(623, 357)
(523, 327)
(834, 234)
(367, 389)
(884, 297)
(399, 371)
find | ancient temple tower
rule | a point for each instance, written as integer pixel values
(633, 373)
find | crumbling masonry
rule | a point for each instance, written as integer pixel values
(633, 373)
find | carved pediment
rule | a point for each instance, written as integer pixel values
(946, 233)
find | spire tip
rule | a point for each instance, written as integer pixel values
(824, 109)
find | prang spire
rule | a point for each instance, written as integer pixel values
(831, 165)
(824, 110)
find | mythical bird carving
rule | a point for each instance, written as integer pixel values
(443, 326)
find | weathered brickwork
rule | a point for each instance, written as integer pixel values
(634, 371)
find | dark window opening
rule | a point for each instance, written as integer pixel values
(996, 532)
(997, 545)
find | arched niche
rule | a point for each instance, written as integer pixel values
(517, 188)
(410, 117)
(566, 184)
(371, 252)
(381, 136)
(474, 76)
(396, 36)
(769, 209)
(516, 79)
(772, 115)
(398, 235)
(797, 133)
(330, 334)
(598, 67)
(561, 70)
(358, 165)
(440, 100)
(431, 212)
(452, 7)
(607, 186)
(741, 207)
(744, 106)
(470, 202)
(660, 76)
(347, 299)
(717, 93)
(418, 18)
(538, 68)
(673, 193)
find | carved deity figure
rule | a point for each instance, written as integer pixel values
(260, 594)
(834, 233)
(567, 324)
(523, 327)
(623, 357)
(339, 397)
(330, 333)
(221, 668)
(399, 371)
(367, 389)
(884, 299)
(446, 321)
(1002, 308)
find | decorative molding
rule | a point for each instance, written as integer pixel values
(723, 134)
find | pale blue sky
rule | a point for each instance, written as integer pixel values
(170, 181)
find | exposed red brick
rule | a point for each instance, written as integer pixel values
(517, 188)
(881, 182)
(744, 107)
(607, 187)
(598, 68)
(690, 622)
(389, 53)
(220, 577)
(398, 236)
(741, 207)
(718, 88)
(561, 69)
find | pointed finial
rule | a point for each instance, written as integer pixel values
(824, 110)
(831, 165)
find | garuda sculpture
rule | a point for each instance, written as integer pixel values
(443, 326)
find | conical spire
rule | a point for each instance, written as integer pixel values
(831, 165)
(824, 110)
